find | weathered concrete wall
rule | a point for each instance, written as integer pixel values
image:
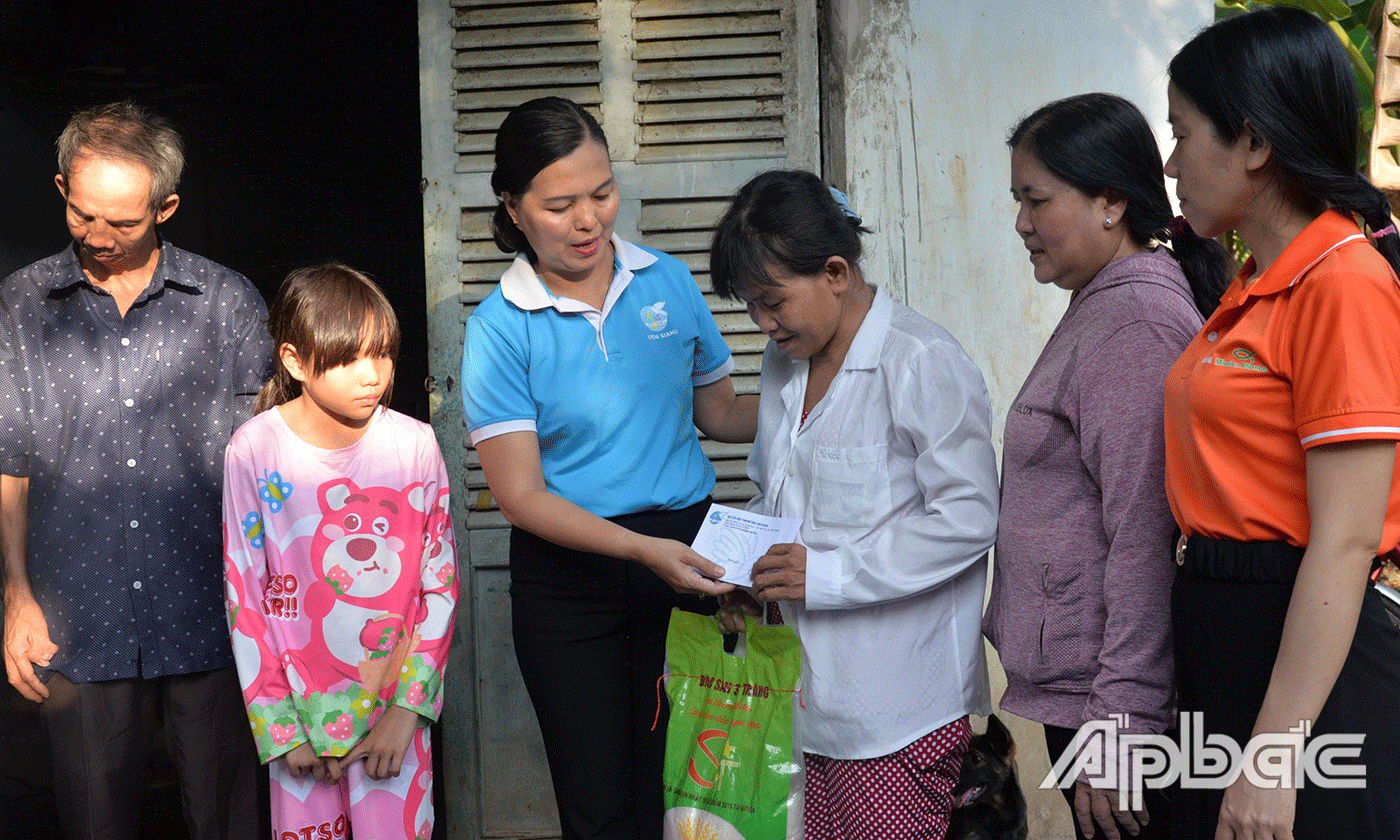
(918, 97)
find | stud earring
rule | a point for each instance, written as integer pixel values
(1108, 223)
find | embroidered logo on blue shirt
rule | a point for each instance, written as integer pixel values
(654, 316)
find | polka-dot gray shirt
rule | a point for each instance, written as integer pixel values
(121, 423)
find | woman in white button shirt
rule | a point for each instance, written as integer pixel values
(874, 430)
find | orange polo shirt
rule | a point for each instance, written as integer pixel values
(1307, 354)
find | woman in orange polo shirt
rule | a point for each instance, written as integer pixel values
(1282, 418)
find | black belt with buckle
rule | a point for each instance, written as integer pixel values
(1262, 562)
(1249, 562)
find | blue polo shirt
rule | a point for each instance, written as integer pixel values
(608, 393)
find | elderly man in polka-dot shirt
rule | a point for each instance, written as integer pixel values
(125, 365)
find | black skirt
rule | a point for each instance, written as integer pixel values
(1229, 603)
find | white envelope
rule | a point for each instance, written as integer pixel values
(736, 538)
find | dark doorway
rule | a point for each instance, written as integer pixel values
(302, 132)
(300, 120)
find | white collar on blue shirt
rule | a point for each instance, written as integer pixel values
(523, 287)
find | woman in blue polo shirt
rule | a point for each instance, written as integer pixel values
(584, 376)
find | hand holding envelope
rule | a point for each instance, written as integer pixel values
(735, 539)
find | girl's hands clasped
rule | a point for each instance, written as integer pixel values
(302, 759)
(384, 747)
(382, 750)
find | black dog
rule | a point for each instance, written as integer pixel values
(988, 803)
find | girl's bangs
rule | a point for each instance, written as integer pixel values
(340, 340)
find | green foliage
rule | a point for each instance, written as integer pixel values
(1351, 20)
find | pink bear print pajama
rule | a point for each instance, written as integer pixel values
(341, 584)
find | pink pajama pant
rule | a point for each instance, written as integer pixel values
(902, 795)
(400, 808)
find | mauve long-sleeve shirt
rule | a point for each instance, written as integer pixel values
(1079, 611)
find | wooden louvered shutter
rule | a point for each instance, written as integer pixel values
(722, 91)
(504, 54)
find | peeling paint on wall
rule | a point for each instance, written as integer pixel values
(870, 43)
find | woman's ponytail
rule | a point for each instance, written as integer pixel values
(1378, 218)
(1205, 262)
(509, 237)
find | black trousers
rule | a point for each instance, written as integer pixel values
(590, 638)
(1156, 800)
(100, 734)
(1228, 607)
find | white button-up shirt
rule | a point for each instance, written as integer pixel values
(895, 481)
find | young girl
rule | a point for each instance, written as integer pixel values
(874, 429)
(340, 569)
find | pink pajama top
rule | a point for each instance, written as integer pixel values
(340, 579)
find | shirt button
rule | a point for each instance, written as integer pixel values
(136, 585)
(1212, 335)
(129, 403)
(135, 524)
(792, 471)
(131, 462)
(126, 342)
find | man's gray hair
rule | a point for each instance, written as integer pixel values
(127, 132)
